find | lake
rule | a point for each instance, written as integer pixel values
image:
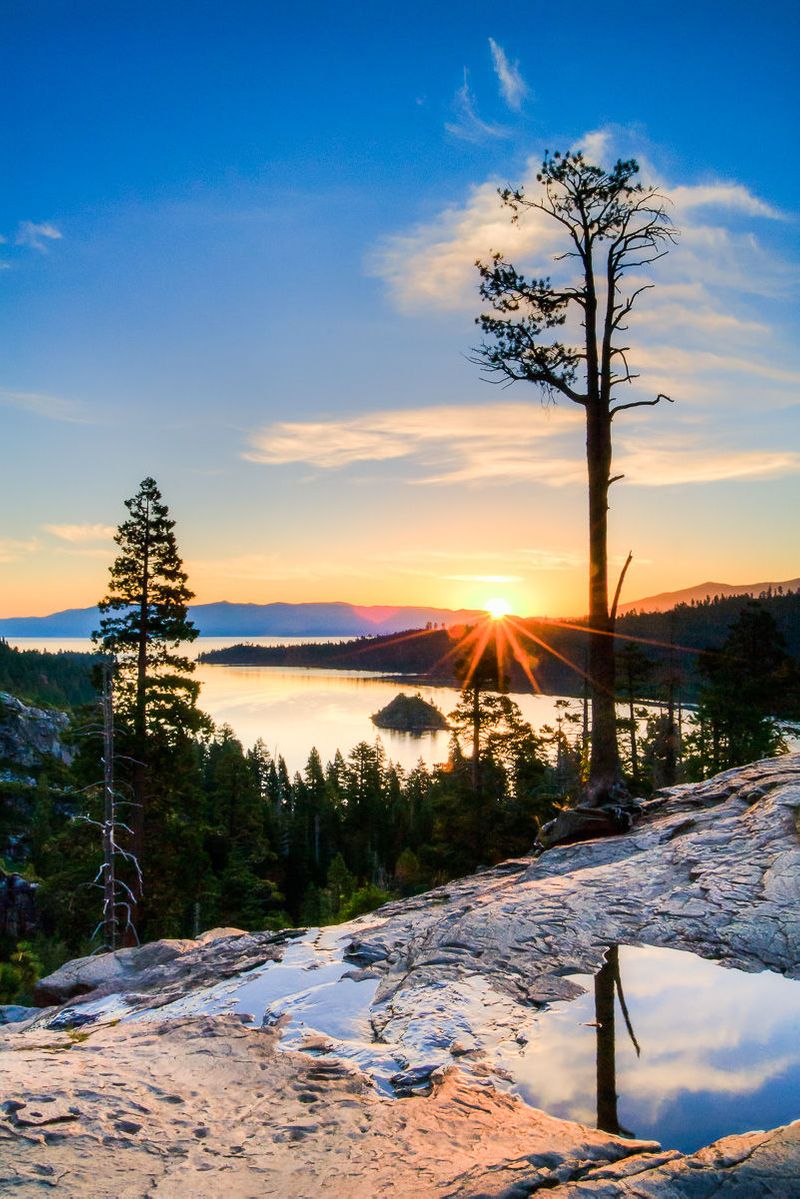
(293, 710)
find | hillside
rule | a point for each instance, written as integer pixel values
(707, 591)
(62, 679)
(376, 1057)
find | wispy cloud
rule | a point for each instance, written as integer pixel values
(81, 534)
(11, 549)
(37, 236)
(49, 406)
(433, 265)
(507, 443)
(454, 443)
(479, 566)
(484, 578)
(675, 462)
(512, 86)
(467, 124)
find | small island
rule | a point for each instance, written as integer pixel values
(410, 714)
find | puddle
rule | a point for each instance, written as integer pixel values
(718, 1050)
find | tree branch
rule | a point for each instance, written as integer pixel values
(641, 404)
(618, 591)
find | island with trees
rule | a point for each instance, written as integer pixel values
(410, 714)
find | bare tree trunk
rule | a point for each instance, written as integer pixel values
(632, 722)
(139, 774)
(604, 773)
(476, 741)
(109, 817)
(604, 981)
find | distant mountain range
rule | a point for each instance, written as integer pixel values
(258, 620)
(226, 619)
(668, 599)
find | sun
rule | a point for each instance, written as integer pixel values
(498, 608)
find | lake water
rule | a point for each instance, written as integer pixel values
(293, 710)
(719, 1050)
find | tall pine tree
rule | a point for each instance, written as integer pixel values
(143, 626)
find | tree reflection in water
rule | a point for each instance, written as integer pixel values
(607, 982)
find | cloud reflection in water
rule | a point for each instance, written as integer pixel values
(720, 1051)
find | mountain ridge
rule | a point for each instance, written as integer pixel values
(225, 618)
(338, 618)
(665, 600)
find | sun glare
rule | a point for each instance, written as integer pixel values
(498, 608)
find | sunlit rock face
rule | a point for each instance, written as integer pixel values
(28, 734)
(391, 1056)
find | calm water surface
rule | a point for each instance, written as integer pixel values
(293, 710)
(719, 1051)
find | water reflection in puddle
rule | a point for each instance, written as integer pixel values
(668, 1046)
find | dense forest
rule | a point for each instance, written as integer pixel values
(60, 680)
(232, 838)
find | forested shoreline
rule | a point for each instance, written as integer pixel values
(233, 838)
(671, 642)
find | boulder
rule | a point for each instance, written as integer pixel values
(14, 1013)
(583, 823)
(217, 934)
(109, 971)
(162, 971)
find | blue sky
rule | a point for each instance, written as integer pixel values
(237, 236)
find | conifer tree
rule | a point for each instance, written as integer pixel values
(144, 623)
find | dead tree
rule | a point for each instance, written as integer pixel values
(613, 226)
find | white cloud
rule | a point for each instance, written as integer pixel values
(81, 534)
(507, 443)
(49, 406)
(468, 125)
(675, 462)
(729, 196)
(433, 266)
(37, 236)
(457, 443)
(595, 145)
(512, 86)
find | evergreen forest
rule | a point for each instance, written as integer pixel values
(158, 824)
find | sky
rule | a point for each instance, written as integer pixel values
(237, 254)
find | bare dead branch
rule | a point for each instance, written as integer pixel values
(641, 404)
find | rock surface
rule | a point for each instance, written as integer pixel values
(272, 1064)
(28, 734)
(165, 970)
